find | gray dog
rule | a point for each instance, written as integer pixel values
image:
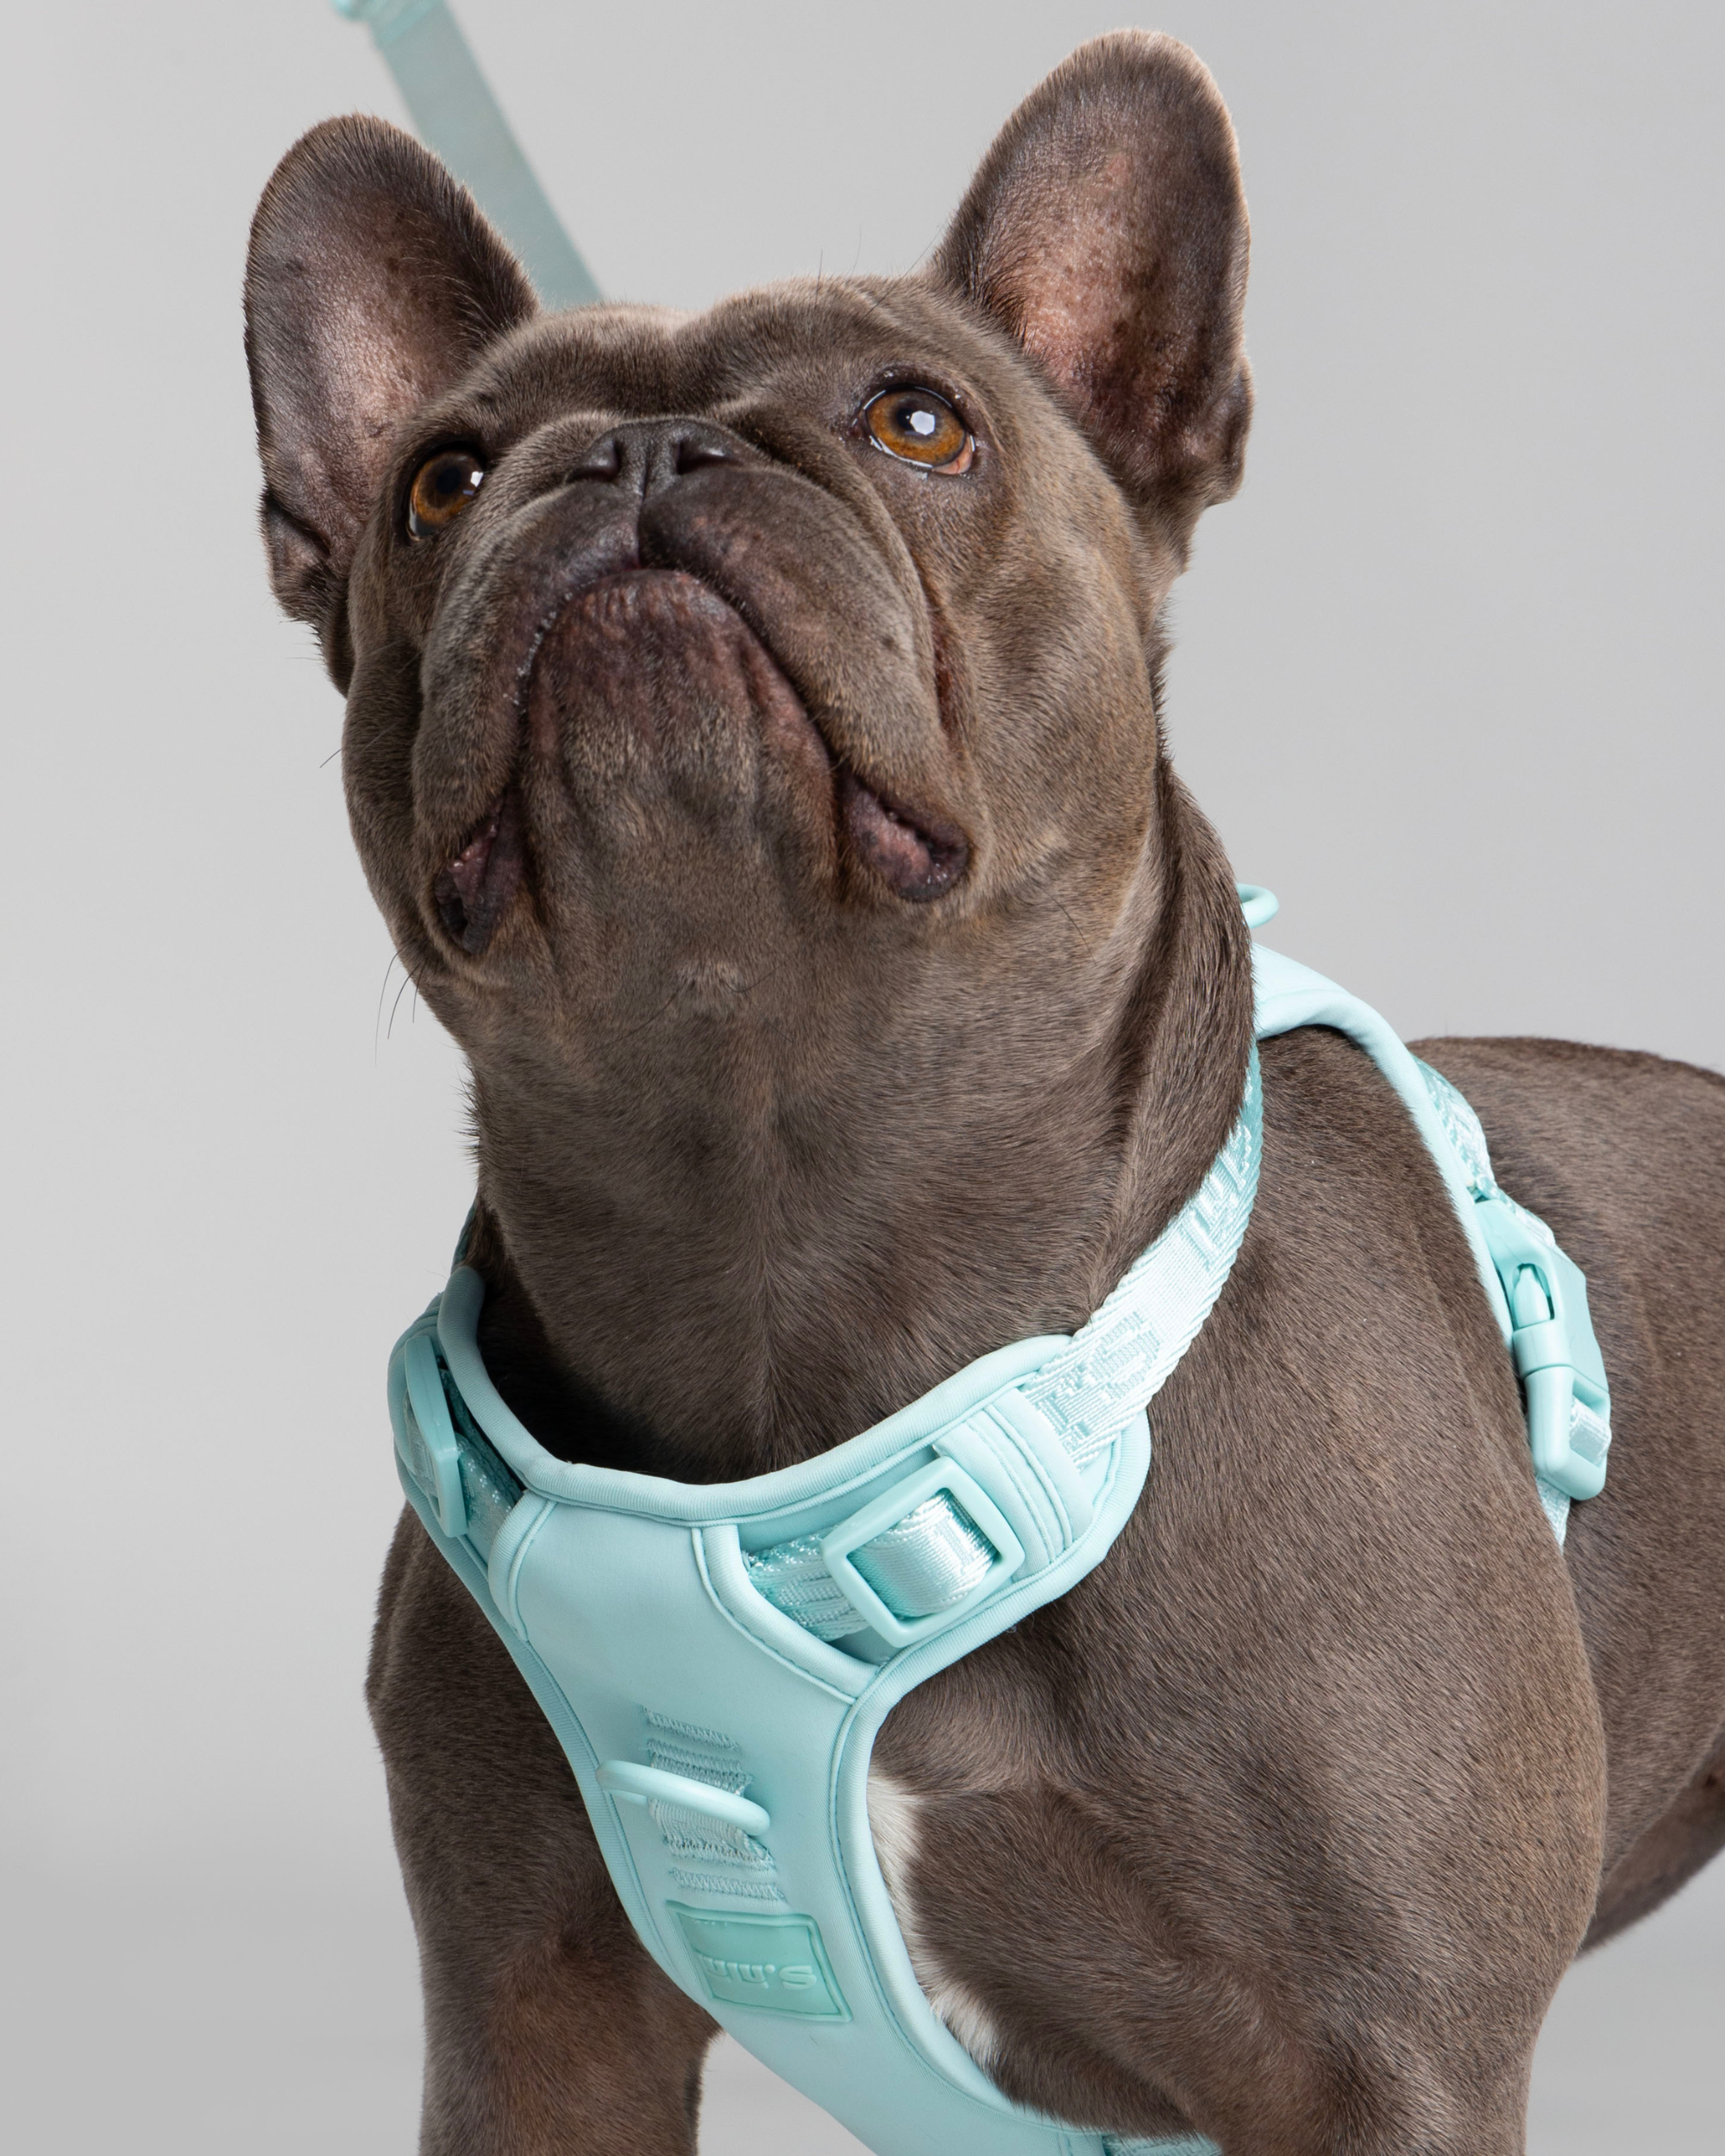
(752, 742)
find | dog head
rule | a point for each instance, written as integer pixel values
(751, 736)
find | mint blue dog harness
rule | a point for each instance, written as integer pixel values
(717, 1659)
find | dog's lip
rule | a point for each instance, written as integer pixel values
(471, 893)
(920, 855)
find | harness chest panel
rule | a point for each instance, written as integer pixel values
(716, 1659)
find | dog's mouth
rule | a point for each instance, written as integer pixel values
(474, 891)
(915, 854)
(918, 856)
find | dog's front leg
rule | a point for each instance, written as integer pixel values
(547, 2027)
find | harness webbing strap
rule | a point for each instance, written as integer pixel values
(1551, 1330)
(1119, 1360)
(1537, 1295)
(1109, 1371)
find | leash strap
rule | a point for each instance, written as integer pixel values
(452, 106)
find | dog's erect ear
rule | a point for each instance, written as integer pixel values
(372, 282)
(1106, 231)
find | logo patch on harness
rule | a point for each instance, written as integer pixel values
(777, 1963)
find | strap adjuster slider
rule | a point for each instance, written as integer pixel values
(842, 1545)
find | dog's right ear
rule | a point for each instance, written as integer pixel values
(373, 283)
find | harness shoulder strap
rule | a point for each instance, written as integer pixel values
(1538, 1296)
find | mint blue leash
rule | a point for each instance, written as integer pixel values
(459, 119)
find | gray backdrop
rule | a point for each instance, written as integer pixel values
(1446, 677)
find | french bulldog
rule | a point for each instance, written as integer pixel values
(754, 744)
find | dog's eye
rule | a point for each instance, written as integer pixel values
(922, 428)
(443, 488)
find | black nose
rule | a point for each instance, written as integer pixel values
(646, 455)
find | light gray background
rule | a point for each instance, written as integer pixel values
(1448, 678)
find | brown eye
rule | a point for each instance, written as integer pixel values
(443, 488)
(922, 428)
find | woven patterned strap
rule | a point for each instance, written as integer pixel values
(935, 1557)
(1115, 1365)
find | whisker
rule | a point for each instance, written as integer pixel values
(376, 1024)
(924, 256)
(746, 989)
(1071, 923)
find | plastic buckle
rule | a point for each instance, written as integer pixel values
(1557, 1358)
(886, 1512)
(438, 1471)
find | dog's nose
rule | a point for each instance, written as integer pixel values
(646, 455)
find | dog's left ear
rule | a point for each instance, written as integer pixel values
(1107, 232)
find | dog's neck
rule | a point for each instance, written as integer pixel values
(723, 1279)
